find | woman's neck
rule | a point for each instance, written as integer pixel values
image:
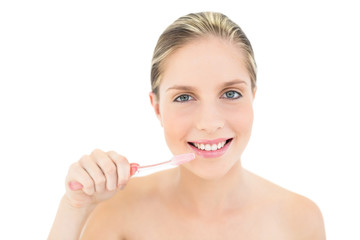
(211, 197)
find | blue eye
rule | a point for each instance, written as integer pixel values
(231, 95)
(183, 98)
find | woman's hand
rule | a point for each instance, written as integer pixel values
(96, 178)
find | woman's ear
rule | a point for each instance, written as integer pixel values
(155, 104)
(254, 93)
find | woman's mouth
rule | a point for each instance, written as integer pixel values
(212, 148)
(209, 146)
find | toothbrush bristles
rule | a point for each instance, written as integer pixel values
(183, 158)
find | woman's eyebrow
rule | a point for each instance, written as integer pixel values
(190, 88)
(180, 87)
(234, 82)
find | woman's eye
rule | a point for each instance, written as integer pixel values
(232, 95)
(183, 98)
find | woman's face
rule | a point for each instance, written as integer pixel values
(205, 105)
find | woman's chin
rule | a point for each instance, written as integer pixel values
(208, 172)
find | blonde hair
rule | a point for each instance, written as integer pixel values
(194, 26)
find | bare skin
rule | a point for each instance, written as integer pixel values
(205, 96)
(154, 207)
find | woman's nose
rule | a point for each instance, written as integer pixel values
(209, 118)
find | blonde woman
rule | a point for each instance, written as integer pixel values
(203, 86)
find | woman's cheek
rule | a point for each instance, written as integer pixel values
(242, 114)
(177, 125)
(243, 122)
(178, 114)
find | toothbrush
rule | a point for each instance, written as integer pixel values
(176, 160)
(135, 168)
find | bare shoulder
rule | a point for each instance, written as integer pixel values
(113, 218)
(297, 216)
(303, 217)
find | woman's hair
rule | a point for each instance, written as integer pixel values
(194, 26)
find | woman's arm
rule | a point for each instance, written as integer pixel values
(69, 221)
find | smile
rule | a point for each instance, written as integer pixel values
(211, 148)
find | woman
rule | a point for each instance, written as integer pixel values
(203, 86)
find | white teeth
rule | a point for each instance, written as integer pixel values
(208, 147)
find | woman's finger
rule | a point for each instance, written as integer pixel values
(123, 168)
(81, 177)
(95, 173)
(108, 168)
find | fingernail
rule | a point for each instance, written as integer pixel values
(75, 186)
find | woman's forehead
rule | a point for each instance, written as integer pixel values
(209, 61)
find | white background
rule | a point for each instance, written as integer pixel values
(75, 76)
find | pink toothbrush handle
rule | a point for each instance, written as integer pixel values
(73, 185)
(133, 168)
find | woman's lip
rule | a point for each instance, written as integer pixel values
(214, 141)
(211, 154)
